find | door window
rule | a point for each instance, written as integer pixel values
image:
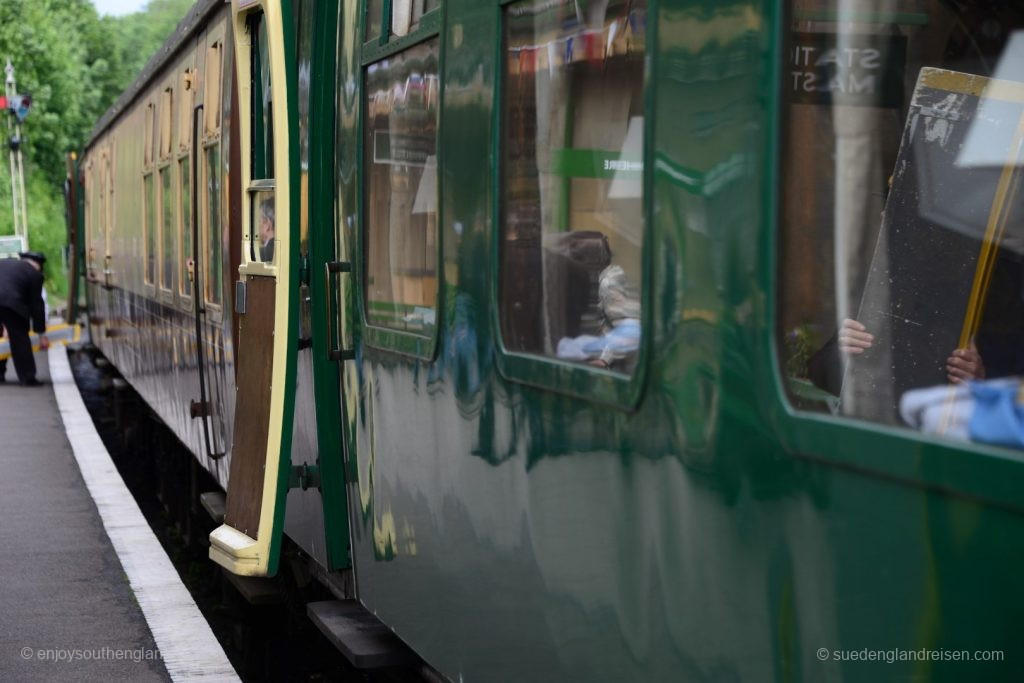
(263, 238)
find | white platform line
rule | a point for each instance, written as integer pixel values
(187, 645)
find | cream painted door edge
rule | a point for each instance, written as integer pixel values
(230, 548)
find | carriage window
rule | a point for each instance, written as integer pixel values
(92, 217)
(404, 18)
(373, 12)
(166, 117)
(149, 227)
(262, 239)
(185, 255)
(262, 104)
(212, 91)
(149, 125)
(572, 169)
(212, 263)
(185, 110)
(400, 147)
(902, 223)
(168, 228)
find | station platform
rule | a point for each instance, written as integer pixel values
(86, 591)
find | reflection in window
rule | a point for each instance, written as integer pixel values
(401, 193)
(404, 19)
(149, 211)
(902, 267)
(91, 221)
(572, 180)
(264, 153)
(373, 12)
(212, 265)
(185, 185)
(264, 230)
(167, 228)
(212, 91)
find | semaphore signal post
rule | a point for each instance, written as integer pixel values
(17, 106)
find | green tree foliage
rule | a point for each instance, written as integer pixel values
(75, 64)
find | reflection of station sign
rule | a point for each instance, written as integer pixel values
(832, 68)
(407, 150)
(11, 245)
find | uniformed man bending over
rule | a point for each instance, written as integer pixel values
(21, 299)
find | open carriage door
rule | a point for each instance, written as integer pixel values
(249, 541)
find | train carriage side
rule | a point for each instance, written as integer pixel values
(576, 445)
(158, 236)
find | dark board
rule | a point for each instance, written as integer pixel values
(252, 407)
(954, 154)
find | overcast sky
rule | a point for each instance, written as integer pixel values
(118, 7)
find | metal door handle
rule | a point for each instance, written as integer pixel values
(335, 352)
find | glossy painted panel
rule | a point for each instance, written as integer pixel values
(516, 533)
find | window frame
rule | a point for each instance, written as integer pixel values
(149, 229)
(150, 132)
(210, 136)
(935, 463)
(212, 307)
(579, 380)
(90, 221)
(166, 293)
(403, 342)
(184, 194)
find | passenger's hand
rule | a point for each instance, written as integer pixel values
(854, 337)
(44, 342)
(965, 364)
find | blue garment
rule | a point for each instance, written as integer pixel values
(998, 418)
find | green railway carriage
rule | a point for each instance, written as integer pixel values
(538, 310)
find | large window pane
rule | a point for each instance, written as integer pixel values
(572, 170)
(149, 211)
(401, 192)
(264, 106)
(262, 246)
(902, 271)
(185, 183)
(213, 266)
(373, 18)
(168, 228)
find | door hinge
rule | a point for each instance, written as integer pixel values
(304, 477)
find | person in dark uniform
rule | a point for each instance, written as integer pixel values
(21, 303)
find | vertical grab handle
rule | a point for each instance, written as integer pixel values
(334, 351)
